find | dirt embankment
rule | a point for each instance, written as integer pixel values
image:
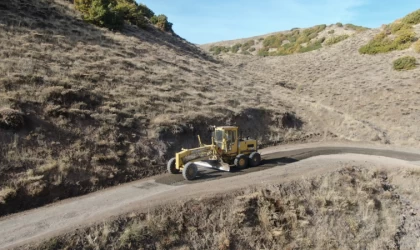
(282, 165)
(353, 207)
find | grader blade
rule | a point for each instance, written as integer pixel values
(215, 164)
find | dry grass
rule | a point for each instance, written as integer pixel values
(352, 208)
(101, 108)
(6, 193)
(417, 46)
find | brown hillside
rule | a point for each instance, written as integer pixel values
(99, 108)
(83, 108)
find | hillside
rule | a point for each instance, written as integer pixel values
(83, 108)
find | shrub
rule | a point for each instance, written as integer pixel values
(397, 26)
(112, 14)
(312, 46)
(263, 52)
(331, 32)
(382, 44)
(101, 13)
(131, 13)
(339, 24)
(235, 48)
(219, 49)
(143, 9)
(248, 45)
(336, 39)
(405, 63)
(412, 18)
(295, 39)
(162, 23)
(355, 27)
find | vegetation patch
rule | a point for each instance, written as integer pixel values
(356, 28)
(405, 63)
(399, 35)
(113, 13)
(336, 39)
(217, 50)
(245, 48)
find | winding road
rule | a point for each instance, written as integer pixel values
(282, 163)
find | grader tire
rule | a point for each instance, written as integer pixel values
(171, 166)
(241, 161)
(189, 172)
(254, 159)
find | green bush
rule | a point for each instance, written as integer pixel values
(355, 27)
(235, 48)
(405, 63)
(143, 9)
(312, 46)
(336, 39)
(404, 36)
(101, 12)
(131, 13)
(339, 24)
(331, 32)
(381, 43)
(263, 52)
(412, 18)
(162, 23)
(219, 49)
(113, 13)
(248, 45)
(295, 40)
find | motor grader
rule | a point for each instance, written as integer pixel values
(225, 150)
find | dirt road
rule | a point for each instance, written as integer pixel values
(280, 164)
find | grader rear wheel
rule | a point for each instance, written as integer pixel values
(189, 172)
(254, 159)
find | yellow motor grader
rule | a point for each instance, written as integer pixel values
(225, 150)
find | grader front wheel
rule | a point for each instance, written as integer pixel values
(241, 161)
(189, 172)
(171, 167)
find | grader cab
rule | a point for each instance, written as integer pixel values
(225, 150)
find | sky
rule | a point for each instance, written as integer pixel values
(206, 21)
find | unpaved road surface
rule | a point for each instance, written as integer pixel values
(280, 164)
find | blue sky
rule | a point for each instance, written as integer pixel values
(205, 21)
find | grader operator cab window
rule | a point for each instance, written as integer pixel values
(219, 136)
